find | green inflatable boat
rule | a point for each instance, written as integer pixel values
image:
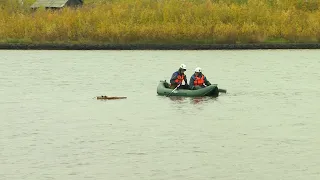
(164, 90)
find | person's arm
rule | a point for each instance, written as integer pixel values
(191, 85)
(185, 79)
(206, 82)
(173, 78)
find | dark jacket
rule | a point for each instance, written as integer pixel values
(174, 77)
(206, 82)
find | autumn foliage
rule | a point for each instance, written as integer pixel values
(164, 21)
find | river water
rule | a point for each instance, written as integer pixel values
(265, 127)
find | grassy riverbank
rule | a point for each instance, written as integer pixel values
(165, 21)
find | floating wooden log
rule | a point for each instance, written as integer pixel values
(109, 98)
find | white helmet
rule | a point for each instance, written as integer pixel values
(198, 70)
(183, 66)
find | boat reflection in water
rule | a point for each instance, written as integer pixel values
(193, 100)
(177, 98)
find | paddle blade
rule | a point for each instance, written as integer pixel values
(223, 90)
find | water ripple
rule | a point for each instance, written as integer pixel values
(265, 127)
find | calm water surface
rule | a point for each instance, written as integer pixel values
(266, 127)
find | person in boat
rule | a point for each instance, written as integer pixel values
(198, 80)
(178, 77)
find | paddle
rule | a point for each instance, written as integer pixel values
(222, 90)
(173, 90)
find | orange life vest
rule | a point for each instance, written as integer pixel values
(179, 79)
(198, 81)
